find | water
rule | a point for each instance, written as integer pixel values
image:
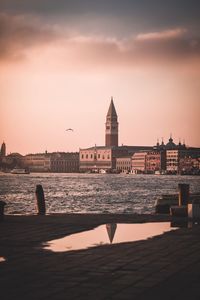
(108, 234)
(89, 193)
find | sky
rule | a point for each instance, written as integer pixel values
(62, 61)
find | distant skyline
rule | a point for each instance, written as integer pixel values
(61, 61)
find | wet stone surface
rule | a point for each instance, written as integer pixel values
(162, 267)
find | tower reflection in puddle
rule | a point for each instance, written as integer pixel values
(108, 234)
(111, 228)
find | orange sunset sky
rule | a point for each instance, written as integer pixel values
(61, 61)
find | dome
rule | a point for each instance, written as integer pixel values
(171, 144)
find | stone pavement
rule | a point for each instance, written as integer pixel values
(163, 267)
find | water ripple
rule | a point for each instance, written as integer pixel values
(89, 193)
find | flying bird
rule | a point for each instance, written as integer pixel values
(69, 129)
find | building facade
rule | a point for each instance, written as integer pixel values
(123, 164)
(96, 158)
(183, 161)
(62, 162)
(155, 161)
(58, 162)
(139, 162)
(40, 162)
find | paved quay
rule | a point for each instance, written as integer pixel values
(162, 267)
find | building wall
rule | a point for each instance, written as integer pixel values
(139, 162)
(155, 161)
(37, 162)
(65, 162)
(123, 164)
(94, 159)
(52, 162)
(172, 161)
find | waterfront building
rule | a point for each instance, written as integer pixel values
(52, 162)
(189, 165)
(172, 161)
(139, 162)
(178, 161)
(10, 161)
(64, 162)
(39, 162)
(155, 161)
(123, 164)
(98, 158)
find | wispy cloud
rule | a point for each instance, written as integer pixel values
(162, 35)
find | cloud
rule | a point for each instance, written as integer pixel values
(169, 46)
(17, 33)
(19, 36)
(173, 44)
(162, 35)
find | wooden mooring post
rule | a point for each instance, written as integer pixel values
(2, 204)
(40, 200)
(183, 193)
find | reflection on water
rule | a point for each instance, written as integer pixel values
(106, 234)
(2, 259)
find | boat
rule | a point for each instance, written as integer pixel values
(102, 171)
(19, 171)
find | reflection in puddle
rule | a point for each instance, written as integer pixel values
(2, 259)
(184, 224)
(106, 234)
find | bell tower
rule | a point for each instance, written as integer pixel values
(111, 138)
(3, 149)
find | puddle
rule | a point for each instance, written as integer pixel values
(2, 259)
(108, 234)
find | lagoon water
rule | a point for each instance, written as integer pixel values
(89, 193)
